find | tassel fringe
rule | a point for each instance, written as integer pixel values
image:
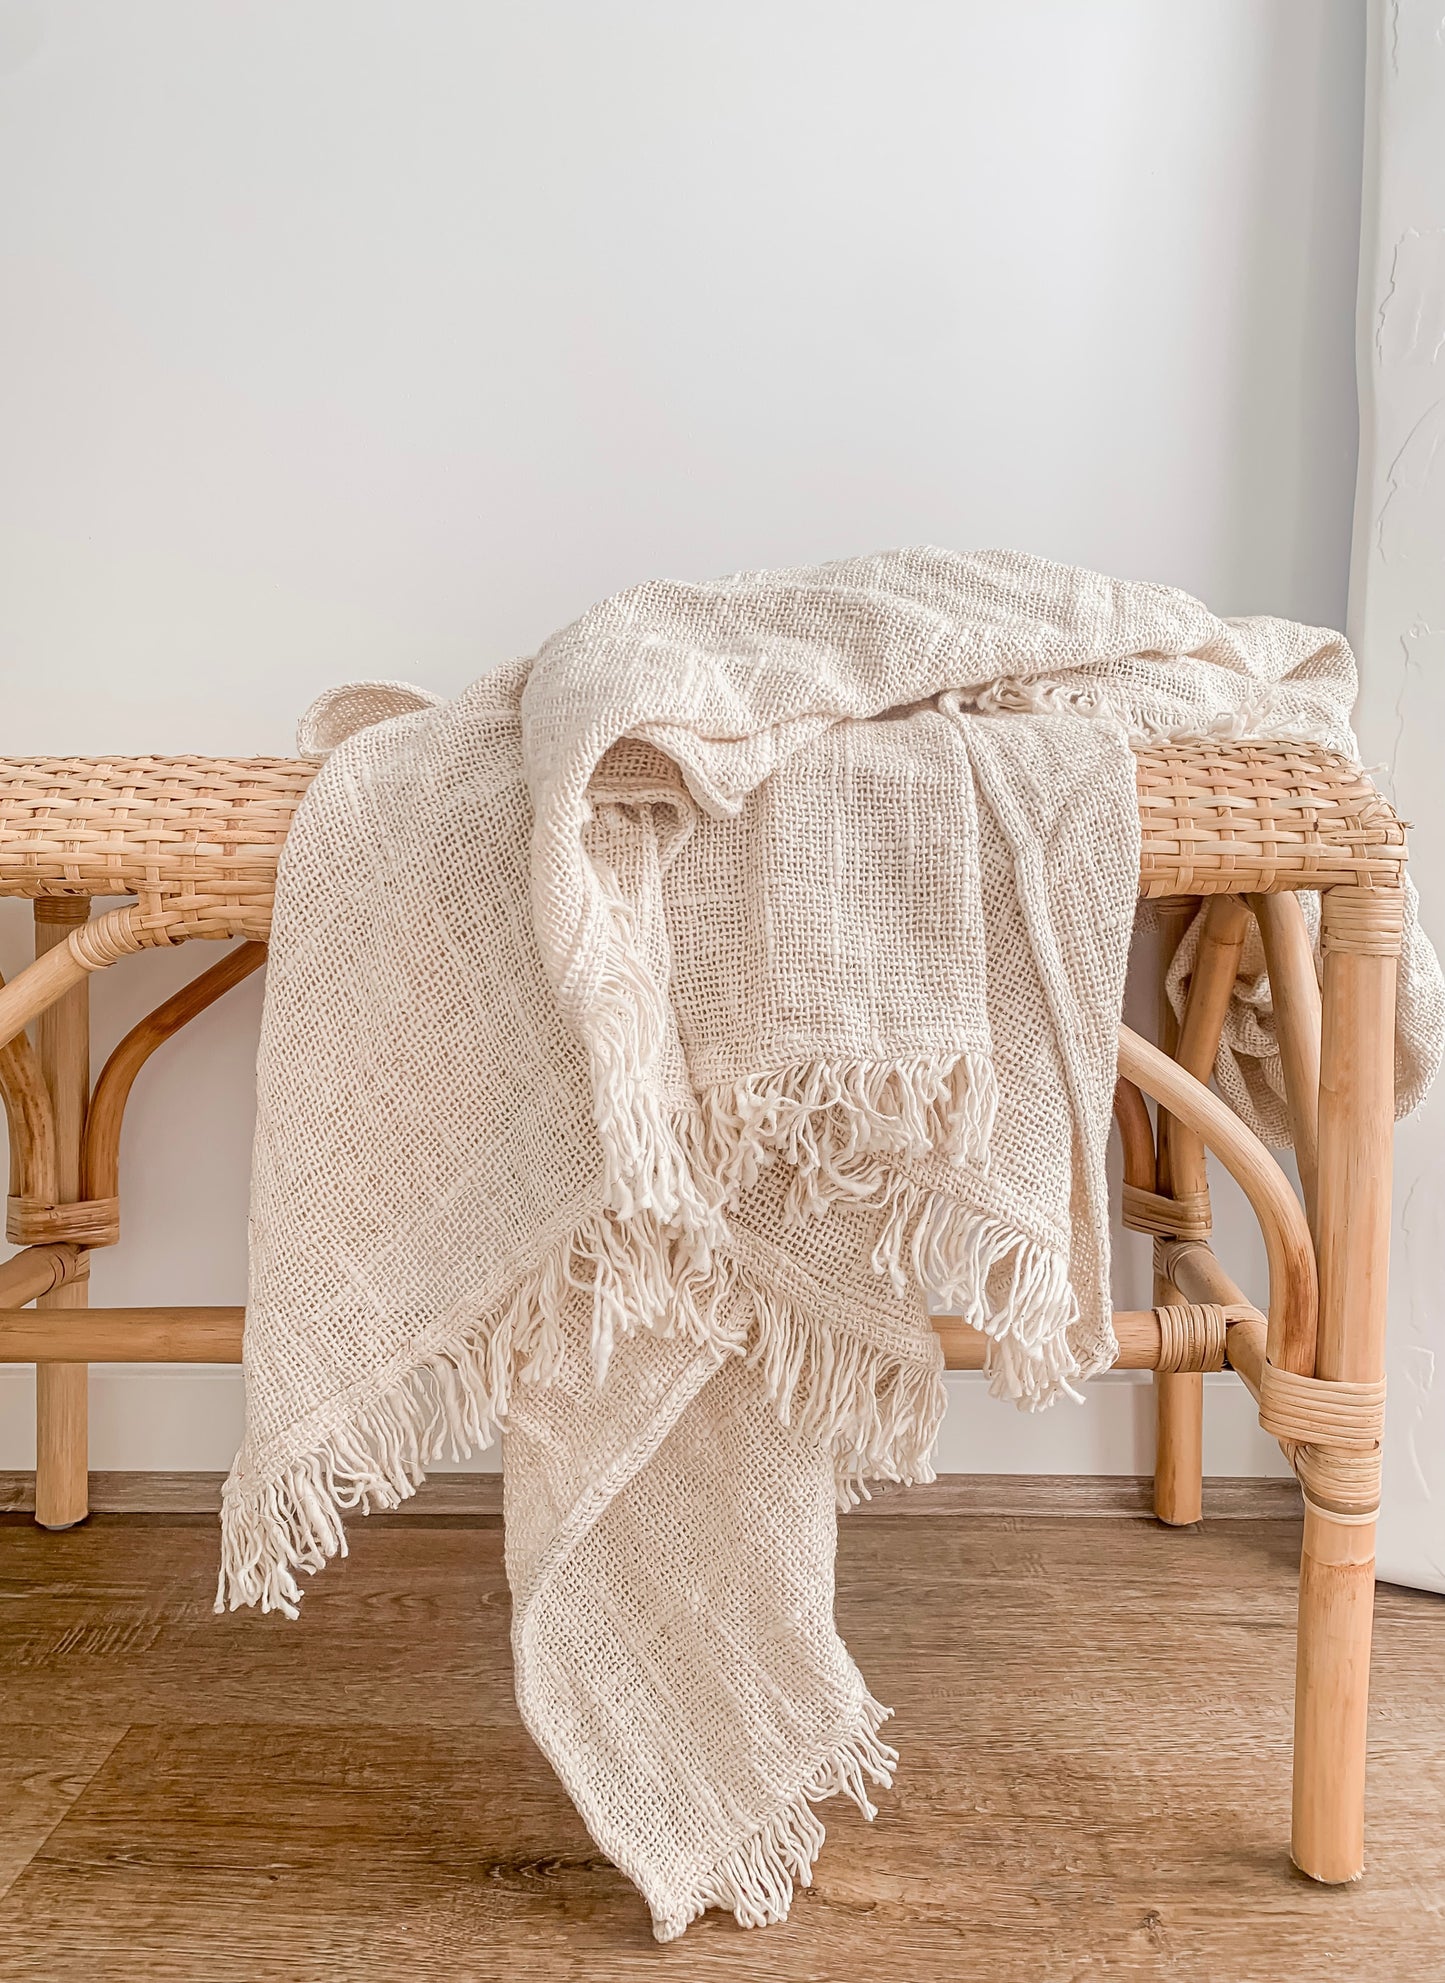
(842, 1130)
(756, 1882)
(877, 1413)
(647, 1167)
(454, 1400)
(831, 1122)
(1011, 1288)
(1258, 718)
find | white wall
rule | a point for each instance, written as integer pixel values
(1397, 619)
(348, 337)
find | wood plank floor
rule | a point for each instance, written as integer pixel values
(1093, 1714)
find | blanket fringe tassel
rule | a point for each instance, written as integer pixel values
(830, 1122)
(877, 1413)
(648, 1167)
(876, 1408)
(634, 1276)
(757, 1880)
(1013, 1290)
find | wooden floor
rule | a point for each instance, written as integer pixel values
(1093, 1714)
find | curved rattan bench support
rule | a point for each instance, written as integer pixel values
(1136, 1134)
(1260, 1352)
(39, 1212)
(35, 1215)
(30, 1118)
(89, 946)
(94, 945)
(40, 1270)
(100, 1163)
(1293, 1293)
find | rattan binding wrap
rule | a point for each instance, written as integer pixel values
(1192, 1336)
(1166, 1217)
(195, 839)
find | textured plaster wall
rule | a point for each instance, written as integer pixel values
(1397, 622)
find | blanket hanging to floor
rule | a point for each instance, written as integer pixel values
(649, 1034)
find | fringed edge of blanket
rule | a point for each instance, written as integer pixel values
(830, 1121)
(454, 1397)
(875, 1409)
(1257, 718)
(758, 1878)
(1009, 1286)
(877, 1413)
(648, 1167)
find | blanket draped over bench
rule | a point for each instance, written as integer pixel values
(649, 1033)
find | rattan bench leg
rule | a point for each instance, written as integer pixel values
(1336, 1600)
(1178, 1394)
(61, 1389)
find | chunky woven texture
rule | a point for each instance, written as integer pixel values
(648, 1033)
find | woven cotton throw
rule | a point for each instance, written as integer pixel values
(649, 1033)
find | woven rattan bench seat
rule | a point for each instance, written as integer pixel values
(196, 839)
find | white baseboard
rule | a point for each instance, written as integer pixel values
(181, 1418)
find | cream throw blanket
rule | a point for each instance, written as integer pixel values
(648, 1032)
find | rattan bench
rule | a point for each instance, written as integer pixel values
(192, 844)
